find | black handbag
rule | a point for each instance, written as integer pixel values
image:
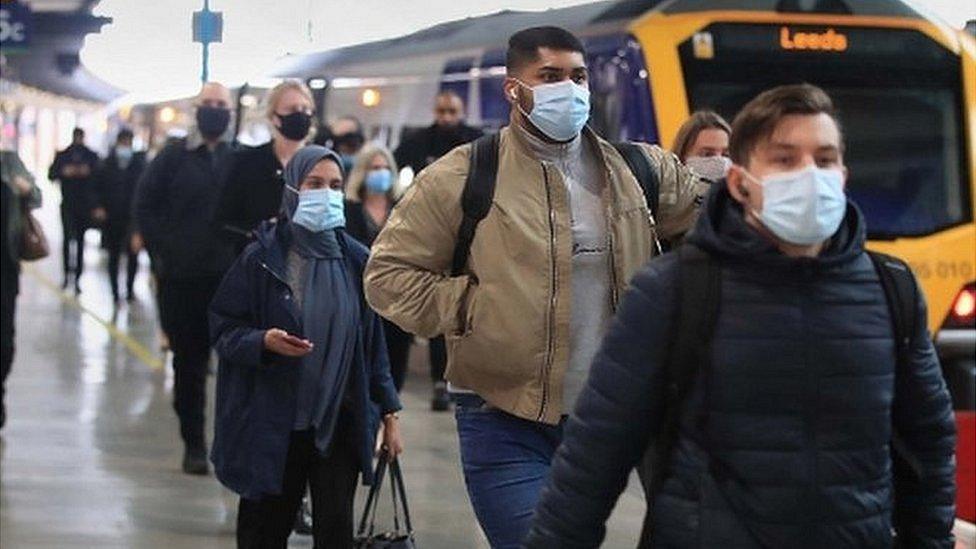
(366, 535)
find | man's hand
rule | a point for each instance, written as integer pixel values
(279, 341)
(136, 244)
(99, 215)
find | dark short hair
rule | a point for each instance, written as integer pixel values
(77, 132)
(698, 121)
(449, 94)
(757, 120)
(354, 120)
(523, 46)
(124, 133)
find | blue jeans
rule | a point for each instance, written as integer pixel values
(506, 462)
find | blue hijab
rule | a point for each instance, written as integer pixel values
(329, 306)
(310, 245)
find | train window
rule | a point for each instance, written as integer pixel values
(901, 123)
(620, 103)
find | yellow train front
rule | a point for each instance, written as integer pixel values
(905, 86)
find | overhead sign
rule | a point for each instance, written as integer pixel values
(208, 26)
(15, 25)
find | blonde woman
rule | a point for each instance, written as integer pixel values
(371, 193)
(252, 190)
(702, 144)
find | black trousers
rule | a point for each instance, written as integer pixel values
(116, 237)
(267, 523)
(8, 301)
(437, 348)
(398, 349)
(73, 227)
(185, 301)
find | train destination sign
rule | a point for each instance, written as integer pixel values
(829, 40)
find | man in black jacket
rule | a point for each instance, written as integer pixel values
(417, 151)
(174, 209)
(116, 184)
(784, 439)
(74, 168)
(448, 131)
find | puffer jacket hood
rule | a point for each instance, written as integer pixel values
(722, 230)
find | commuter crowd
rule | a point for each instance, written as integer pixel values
(707, 315)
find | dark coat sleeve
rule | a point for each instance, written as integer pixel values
(102, 185)
(413, 151)
(54, 172)
(231, 204)
(382, 391)
(151, 205)
(616, 413)
(232, 324)
(922, 415)
(404, 155)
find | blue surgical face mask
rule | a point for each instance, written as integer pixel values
(124, 154)
(803, 207)
(559, 110)
(379, 181)
(320, 209)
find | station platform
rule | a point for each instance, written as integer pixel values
(90, 455)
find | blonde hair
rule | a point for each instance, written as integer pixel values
(274, 94)
(688, 133)
(360, 167)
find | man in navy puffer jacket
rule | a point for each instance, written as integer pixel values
(804, 390)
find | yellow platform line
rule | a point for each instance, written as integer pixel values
(137, 349)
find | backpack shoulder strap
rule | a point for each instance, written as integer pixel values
(479, 189)
(696, 312)
(901, 294)
(640, 166)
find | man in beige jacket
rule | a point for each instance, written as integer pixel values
(567, 227)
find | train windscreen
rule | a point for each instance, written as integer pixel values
(898, 95)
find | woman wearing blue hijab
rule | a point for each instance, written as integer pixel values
(304, 378)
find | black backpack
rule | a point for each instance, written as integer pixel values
(699, 295)
(479, 189)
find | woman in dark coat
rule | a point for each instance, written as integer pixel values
(304, 377)
(252, 192)
(371, 193)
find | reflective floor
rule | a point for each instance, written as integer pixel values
(90, 454)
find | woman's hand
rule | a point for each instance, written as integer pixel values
(279, 341)
(392, 441)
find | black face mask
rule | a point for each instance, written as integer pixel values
(295, 126)
(212, 121)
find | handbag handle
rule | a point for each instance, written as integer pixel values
(396, 484)
(369, 512)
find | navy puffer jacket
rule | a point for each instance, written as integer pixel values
(802, 397)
